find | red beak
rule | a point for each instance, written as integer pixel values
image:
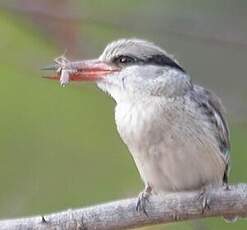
(88, 70)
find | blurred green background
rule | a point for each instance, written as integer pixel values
(59, 146)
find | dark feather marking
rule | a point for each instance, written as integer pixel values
(163, 60)
(211, 106)
(157, 59)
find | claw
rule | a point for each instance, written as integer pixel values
(43, 220)
(226, 187)
(204, 198)
(141, 203)
(142, 200)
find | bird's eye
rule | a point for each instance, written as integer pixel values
(124, 60)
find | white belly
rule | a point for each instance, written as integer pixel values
(172, 148)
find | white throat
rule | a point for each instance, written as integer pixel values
(142, 82)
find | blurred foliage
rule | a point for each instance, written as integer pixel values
(59, 146)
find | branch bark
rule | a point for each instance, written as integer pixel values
(122, 214)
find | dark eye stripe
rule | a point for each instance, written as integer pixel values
(161, 60)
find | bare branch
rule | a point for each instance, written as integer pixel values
(122, 214)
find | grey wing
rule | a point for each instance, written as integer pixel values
(216, 113)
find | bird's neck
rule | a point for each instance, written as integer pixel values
(129, 90)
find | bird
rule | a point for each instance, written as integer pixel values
(175, 130)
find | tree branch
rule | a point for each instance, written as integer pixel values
(122, 214)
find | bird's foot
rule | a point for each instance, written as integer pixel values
(204, 198)
(226, 187)
(229, 218)
(142, 200)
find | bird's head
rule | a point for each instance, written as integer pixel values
(132, 68)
